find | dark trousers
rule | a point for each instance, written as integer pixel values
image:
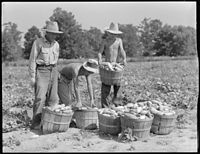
(105, 91)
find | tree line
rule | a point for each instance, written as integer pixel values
(149, 38)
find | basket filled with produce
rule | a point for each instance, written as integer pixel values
(164, 118)
(56, 119)
(86, 118)
(111, 73)
(109, 121)
(137, 118)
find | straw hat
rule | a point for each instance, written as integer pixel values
(91, 65)
(113, 29)
(52, 27)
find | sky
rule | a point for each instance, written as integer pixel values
(100, 14)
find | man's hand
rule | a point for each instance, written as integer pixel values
(78, 104)
(124, 62)
(32, 83)
(92, 103)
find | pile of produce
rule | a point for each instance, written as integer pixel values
(112, 66)
(161, 108)
(108, 112)
(139, 110)
(61, 108)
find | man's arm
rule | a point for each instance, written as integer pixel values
(77, 92)
(32, 61)
(100, 52)
(122, 51)
(90, 89)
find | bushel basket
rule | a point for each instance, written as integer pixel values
(55, 122)
(86, 119)
(109, 125)
(163, 124)
(140, 127)
(109, 77)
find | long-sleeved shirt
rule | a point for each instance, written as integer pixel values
(42, 53)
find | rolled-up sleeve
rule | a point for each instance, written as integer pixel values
(32, 59)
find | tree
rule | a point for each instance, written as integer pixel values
(94, 37)
(72, 41)
(11, 39)
(30, 37)
(175, 41)
(130, 40)
(149, 30)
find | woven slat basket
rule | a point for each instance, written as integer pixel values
(55, 122)
(109, 125)
(140, 127)
(86, 119)
(109, 77)
(163, 124)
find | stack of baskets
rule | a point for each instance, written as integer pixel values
(109, 77)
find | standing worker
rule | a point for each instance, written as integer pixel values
(112, 48)
(43, 71)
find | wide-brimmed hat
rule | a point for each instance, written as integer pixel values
(91, 65)
(113, 29)
(52, 27)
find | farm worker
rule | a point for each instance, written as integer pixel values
(43, 71)
(112, 48)
(69, 79)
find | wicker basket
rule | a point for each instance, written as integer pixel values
(163, 124)
(86, 119)
(55, 122)
(109, 125)
(110, 77)
(140, 127)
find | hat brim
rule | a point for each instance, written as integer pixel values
(114, 32)
(94, 70)
(51, 31)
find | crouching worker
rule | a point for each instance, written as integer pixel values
(69, 79)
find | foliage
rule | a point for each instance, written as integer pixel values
(72, 42)
(11, 37)
(130, 40)
(174, 82)
(148, 30)
(30, 37)
(94, 37)
(174, 41)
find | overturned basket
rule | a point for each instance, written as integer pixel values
(109, 77)
(55, 122)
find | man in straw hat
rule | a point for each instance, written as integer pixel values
(43, 71)
(69, 79)
(112, 48)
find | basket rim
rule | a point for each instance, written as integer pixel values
(164, 116)
(127, 117)
(100, 68)
(110, 117)
(56, 113)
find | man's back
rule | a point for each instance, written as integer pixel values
(70, 71)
